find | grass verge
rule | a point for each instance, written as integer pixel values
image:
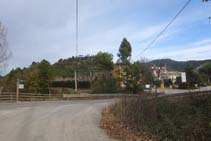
(174, 118)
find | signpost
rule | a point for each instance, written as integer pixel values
(147, 86)
(19, 85)
(183, 77)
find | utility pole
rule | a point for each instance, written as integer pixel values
(76, 43)
(76, 28)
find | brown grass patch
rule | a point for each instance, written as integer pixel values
(118, 130)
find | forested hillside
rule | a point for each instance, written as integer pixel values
(179, 65)
(40, 76)
(66, 67)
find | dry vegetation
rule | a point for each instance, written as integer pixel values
(174, 118)
(119, 130)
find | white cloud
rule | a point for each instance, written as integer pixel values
(46, 30)
(194, 51)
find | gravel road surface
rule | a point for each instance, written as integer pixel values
(53, 121)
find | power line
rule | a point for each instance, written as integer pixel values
(167, 26)
(76, 38)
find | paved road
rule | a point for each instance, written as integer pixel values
(53, 121)
(176, 91)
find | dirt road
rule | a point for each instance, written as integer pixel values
(53, 121)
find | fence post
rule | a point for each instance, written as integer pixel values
(10, 97)
(1, 88)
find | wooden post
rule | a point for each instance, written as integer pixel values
(1, 88)
(76, 86)
(17, 90)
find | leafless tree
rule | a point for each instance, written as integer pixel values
(4, 50)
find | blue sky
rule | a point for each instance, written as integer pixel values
(45, 29)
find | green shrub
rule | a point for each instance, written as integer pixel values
(106, 85)
(71, 84)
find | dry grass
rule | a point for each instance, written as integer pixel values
(184, 118)
(118, 130)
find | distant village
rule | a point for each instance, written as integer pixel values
(167, 78)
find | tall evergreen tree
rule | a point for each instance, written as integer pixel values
(44, 75)
(124, 52)
(205, 70)
(192, 77)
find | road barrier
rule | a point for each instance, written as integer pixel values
(39, 97)
(96, 96)
(11, 97)
(8, 97)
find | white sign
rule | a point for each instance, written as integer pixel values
(183, 77)
(147, 86)
(21, 86)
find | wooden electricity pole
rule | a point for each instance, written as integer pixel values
(76, 43)
(76, 86)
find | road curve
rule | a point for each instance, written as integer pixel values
(53, 121)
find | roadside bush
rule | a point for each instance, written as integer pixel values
(183, 86)
(71, 84)
(157, 83)
(106, 85)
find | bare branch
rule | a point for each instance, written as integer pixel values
(4, 50)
